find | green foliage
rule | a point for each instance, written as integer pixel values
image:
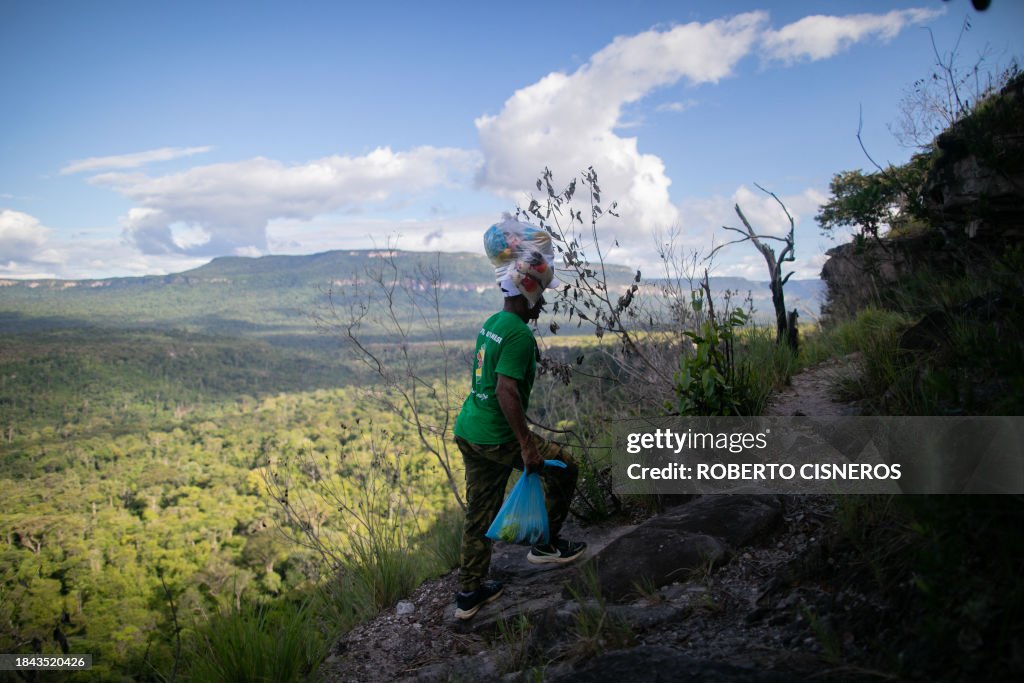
(443, 539)
(960, 307)
(130, 461)
(594, 501)
(256, 643)
(711, 380)
(871, 203)
(85, 382)
(771, 365)
(646, 589)
(379, 526)
(381, 568)
(945, 372)
(515, 636)
(874, 334)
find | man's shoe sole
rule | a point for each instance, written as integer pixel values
(552, 559)
(468, 613)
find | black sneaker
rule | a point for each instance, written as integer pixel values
(559, 552)
(468, 604)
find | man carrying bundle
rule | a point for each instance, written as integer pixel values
(491, 430)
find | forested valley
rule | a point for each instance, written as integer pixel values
(132, 474)
(152, 433)
(185, 452)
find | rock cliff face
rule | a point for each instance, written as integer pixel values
(973, 201)
(858, 276)
(976, 182)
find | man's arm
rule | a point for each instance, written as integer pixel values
(512, 409)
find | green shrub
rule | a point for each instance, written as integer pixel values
(383, 570)
(874, 333)
(711, 381)
(770, 365)
(595, 628)
(733, 368)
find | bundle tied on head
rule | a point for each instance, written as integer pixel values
(523, 258)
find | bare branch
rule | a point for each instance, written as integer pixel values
(860, 141)
(773, 261)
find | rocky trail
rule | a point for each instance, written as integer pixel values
(738, 587)
(810, 392)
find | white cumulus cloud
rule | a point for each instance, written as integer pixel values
(225, 208)
(567, 121)
(133, 160)
(22, 237)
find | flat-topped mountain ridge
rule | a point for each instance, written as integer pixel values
(277, 297)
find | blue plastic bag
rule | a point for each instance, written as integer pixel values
(523, 517)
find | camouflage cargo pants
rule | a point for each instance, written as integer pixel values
(487, 472)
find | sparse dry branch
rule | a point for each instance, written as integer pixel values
(772, 260)
(387, 302)
(588, 293)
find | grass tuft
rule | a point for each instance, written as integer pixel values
(252, 643)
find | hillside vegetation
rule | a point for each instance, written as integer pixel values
(211, 474)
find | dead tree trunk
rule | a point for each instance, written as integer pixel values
(774, 263)
(791, 332)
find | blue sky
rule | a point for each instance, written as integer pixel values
(146, 138)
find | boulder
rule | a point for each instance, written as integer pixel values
(689, 539)
(650, 557)
(735, 519)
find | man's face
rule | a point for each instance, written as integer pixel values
(536, 310)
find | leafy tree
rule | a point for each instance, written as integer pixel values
(889, 200)
(392, 299)
(875, 204)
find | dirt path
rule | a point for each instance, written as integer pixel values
(810, 391)
(716, 618)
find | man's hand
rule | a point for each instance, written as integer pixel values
(533, 461)
(512, 409)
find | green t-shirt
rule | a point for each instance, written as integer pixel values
(504, 346)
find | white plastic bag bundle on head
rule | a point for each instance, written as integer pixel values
(523, 257)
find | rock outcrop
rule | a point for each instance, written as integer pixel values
(973, 205)
(688, 539)
(671, 556)
(976, 180)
